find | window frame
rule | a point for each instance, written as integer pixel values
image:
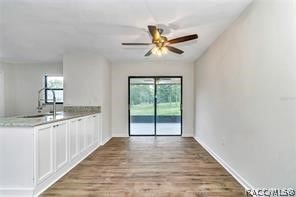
(46, 89)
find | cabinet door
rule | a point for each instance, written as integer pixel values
(74, 140)
(90, 132)
(95, 128)
(98, 132)
(86, 130)
(44, 153)
(81, 133)
(61, 145)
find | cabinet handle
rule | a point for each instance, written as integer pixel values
(79, 119)
(94, 116)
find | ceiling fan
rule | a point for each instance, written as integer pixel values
(162, 44)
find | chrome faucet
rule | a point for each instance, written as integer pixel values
(40, 104)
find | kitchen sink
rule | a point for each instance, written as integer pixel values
(39, 115)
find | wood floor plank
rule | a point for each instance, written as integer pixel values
(148, 166)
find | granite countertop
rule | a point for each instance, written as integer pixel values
(20, 121)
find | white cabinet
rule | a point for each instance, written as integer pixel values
(86, 133)
(90, 131)
(81, 124)
(61, 144)
(74, 139)
(51, 149)
(48, 152)
(95, 128)
(44, 153)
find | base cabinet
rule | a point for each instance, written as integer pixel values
(61, 145)
(50, 150)
(74, 139)
(94, 128)
(89, 132)
(82, 132)
(44, 153)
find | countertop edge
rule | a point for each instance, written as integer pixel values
(67, 118)
(14, 124)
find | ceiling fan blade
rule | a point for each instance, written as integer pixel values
(136, 43)
(183, 39)
(149, 52)
(175, 50)
(154, 32)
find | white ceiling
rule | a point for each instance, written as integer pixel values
(43, 30)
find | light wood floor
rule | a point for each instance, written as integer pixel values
(148, 166)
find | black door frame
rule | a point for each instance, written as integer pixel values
(155, 103)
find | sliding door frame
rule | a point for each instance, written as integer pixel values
(155, 103)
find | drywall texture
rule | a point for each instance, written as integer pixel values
(2, 91)
(87, 83)
(21, 84)
(246, 95)
(120, 73)
(8, 92)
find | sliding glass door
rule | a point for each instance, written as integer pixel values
(168, 106)
(141, 106)
(155, 106)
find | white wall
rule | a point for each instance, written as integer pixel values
(246, 95)
(87, 83)
(106, 102)
(120, 73)
(2, 91)
(83, 75)
(21, 84)
(9, 96)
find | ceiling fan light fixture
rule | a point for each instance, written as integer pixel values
(164, 50)
(154, 50)
(159, 51)
(162, 44)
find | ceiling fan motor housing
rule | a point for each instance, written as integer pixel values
(161, 42)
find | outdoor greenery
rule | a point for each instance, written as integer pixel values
(163, 109)
(54, 83)
(168, 99)
(141, 94)
(168, 93)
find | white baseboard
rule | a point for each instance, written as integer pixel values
(119, 135)
(104, 141)
(227, 167)
(187, 135)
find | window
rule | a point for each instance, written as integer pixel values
(56, 84)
